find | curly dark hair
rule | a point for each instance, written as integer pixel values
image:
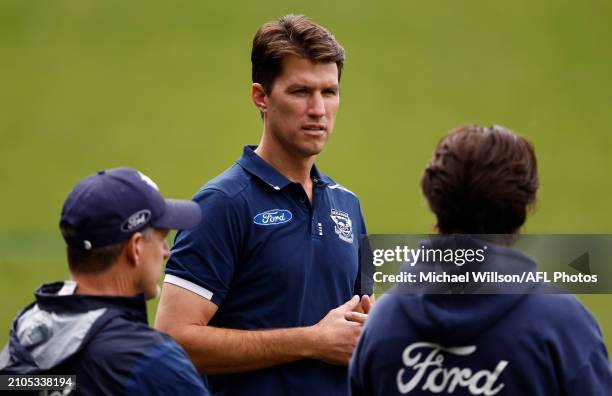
(481, 181)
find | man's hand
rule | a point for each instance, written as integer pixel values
(185, 316)
(360, 313)
(367, 302)
(335, 337)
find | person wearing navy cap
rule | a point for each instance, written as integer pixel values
(94, 326)
(266, 295)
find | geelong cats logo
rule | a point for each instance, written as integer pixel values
(344, 225)
(429, 367)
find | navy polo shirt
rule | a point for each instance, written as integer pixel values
(268, 258)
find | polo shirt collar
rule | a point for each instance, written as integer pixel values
(256, 165)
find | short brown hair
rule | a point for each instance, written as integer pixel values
(96, 260)
(291, 35)
(481, 181)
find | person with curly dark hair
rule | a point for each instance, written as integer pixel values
(465, 341)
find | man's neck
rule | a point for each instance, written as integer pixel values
(293, 167)
(107, 283)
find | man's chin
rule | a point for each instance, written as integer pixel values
(310, 151)
(312, 147)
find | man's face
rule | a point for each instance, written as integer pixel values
(301, 108)
(155, 253)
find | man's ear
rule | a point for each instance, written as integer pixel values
(259, 97)
(134, 249)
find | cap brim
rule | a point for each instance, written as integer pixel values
(180, 214)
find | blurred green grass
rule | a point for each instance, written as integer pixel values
(164, 87)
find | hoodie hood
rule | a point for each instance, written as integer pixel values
(457, 315)
(59, 324)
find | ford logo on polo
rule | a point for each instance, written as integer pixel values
(273, 217)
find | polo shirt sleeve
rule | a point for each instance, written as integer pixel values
(364, 283)
(203, 259)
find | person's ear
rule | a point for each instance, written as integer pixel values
(259, 97)
(134, 248)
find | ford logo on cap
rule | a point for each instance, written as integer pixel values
(137, 220)
(273, 217)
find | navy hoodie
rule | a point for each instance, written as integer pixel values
(104, 341)
(481, 344)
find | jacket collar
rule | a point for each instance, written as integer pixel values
(48, 299)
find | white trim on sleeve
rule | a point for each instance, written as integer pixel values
(185, 284)
(341, 188)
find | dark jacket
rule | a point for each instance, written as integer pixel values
(104, 341)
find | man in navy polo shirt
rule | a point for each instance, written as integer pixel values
(264, 294)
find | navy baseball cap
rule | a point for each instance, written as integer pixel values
(110, 206)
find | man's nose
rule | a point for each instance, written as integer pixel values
(316, 105)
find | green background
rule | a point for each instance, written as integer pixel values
(164, 87)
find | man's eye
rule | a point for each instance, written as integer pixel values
(330, 92)
(299, 92)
